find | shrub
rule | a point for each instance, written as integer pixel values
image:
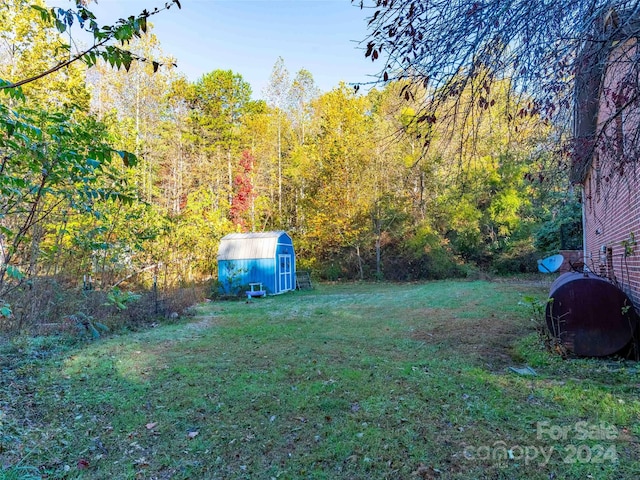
(519, 258)
(47, 307)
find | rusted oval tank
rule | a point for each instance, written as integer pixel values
(589, 315)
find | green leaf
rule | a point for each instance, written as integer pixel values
(101, 326)
(44, 13)
(14, 92)
(93, 163)
(61, 26)
(14, 272)
(128, 158)
(5, 310)
(94, 332)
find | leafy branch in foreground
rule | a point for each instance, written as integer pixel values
(552, 53)
(444, 44)
(65, 163)
(122, 32)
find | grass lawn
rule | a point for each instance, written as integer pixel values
(356, 381)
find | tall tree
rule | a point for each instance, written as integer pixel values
(137, 98)
(336, 219)
(64, 165)
(388, 173)
(301, 93)
(219, 100)
(277, 94)
(56, 161)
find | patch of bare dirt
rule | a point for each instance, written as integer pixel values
(490, 339)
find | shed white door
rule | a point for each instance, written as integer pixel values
(285, 272)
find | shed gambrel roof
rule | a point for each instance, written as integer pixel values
(244, 246)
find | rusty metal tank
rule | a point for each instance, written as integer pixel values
(589, 315)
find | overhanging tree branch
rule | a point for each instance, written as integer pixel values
(535, 44)
(54, 69)
(123, 32)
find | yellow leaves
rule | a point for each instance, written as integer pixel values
(410, 160)
(407, 115)
(504, 210)
(465, 216)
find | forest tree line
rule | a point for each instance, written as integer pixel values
(107, 172)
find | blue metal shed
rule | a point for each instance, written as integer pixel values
(262, 257)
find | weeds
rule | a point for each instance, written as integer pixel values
(121, 299)
(21, 473)
(50, 308)
(550, 337)
(86, 324)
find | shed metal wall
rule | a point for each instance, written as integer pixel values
(234, 274)
(255, 258)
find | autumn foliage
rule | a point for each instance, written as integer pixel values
(134, 174)
(243, 191)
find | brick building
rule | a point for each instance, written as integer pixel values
(606, 153)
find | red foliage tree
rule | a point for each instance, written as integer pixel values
(243, 190)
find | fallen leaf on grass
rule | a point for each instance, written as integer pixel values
(427, 473)
(151, 426)
(141, 463)
(83, 464)
(192, 434)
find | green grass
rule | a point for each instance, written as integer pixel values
(358, 381)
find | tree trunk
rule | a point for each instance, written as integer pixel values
(279, 168)
(360, 267)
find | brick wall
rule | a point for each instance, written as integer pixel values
(611, 216)
(572, 261)
(611, 189)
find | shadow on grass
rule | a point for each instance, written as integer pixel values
(357, 382)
